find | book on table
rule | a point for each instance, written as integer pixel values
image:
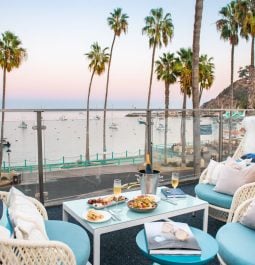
(171, 238)
(173, 193)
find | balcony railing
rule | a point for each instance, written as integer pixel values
(47, 147)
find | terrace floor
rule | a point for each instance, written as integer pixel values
(119, 248)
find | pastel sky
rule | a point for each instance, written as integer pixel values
(58, 33)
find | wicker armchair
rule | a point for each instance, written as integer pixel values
(26, 252)
(243, 193)
(236, 241)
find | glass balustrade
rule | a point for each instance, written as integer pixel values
(45, 152)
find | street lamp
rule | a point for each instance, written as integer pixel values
(9, 159)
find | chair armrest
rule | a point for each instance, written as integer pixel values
(242, 194)
(241, 209)
(239, 151)
(23, 252)
(203, 175)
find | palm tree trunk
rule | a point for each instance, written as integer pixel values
(2, 121)
(183, 129)
(232, 99)
(195, 87)
(87, 126)
(147, 148)
(166, 120)
(105, 99)
(252, 52)
(151, 76)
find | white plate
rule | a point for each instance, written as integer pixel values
(107, 216)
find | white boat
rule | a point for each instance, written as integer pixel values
(23, 125)
(141, 120)
(114, 126)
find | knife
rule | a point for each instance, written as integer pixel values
(114, 215)
(169, 201)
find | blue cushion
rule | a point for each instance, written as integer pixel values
(4, 217)
(249, 156)
(236, 244)
(206, 193)
(72, 235)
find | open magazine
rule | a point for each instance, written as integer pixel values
(171, 238)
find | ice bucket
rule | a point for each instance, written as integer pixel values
(148, 182)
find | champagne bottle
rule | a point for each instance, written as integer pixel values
(148, 169)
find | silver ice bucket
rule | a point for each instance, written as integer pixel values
(148, 182)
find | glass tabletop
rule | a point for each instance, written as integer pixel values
(78, 208)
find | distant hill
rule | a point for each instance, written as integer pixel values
(244, 96)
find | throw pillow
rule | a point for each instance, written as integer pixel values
(6, 229)
(230, 179)
(248, 218)
(250, 156)
(213, 170)
(25, 217)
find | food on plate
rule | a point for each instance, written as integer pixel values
(151, 197)
(93, 215)
(142, 202)
(107, 200)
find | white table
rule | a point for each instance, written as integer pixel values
(77, 208)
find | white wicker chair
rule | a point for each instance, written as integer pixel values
(241, 209)
(24, 252)
(243, 193)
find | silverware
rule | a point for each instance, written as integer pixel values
(169, 201)
(114, 215)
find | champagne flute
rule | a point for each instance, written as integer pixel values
(117, 192)
(175, 181)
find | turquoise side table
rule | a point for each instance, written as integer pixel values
(207, 243)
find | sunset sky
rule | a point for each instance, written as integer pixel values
(58, 33)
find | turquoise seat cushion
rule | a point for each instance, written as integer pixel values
(4, 218)
(72, 235)
(206, 193)
(236, 244)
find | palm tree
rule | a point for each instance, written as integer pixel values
(159, 28)
(245, 15)
(118, 23)
(168, 70)
(206, 73)
(185, 56)
(228, 27)
(98, 59)
(11, 56)
(195, 85)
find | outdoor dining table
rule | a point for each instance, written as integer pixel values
(128, 218)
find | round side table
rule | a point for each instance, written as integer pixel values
(207, 243)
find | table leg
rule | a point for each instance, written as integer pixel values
(205, 219)
(64, 215)
(96, 249)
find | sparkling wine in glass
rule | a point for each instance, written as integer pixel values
(117, 192)
(175, 180)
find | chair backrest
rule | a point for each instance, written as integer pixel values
(241, 209)
(39, 206)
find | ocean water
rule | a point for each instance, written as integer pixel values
(64, 135)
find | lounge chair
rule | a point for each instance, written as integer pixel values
(236, 241)
(223, 206)
(68, 244)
